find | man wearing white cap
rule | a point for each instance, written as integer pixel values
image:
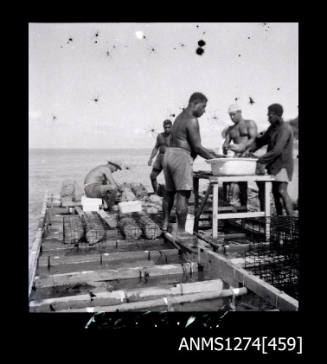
(99, 182)
(242, 134)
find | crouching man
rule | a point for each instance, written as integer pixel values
(100, 183)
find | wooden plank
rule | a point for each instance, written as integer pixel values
(36, 245)
(130, 270)
(252, 178)
(215, 211)
(111, 219)
(100, 298)
(55, 248)
(167, 302)
(112, 243)
(223, 268)
(46, 263)
(195, 192)
(208, 209)
(199, 210)
(146, 269)
(267, 209)
(241, 215)
(160, 281)
(188, 242)
(79, 211)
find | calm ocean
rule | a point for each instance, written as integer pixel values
(49, 167)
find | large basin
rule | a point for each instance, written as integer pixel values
(233, 166)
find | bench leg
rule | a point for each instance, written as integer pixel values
(215, 212)
(196, 202)
(267, 209)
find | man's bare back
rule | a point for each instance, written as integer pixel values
(101, 174)
(179, 135)
(178, 161)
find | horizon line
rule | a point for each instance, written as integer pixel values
(88, 148)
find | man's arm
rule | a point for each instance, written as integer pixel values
(281, 141)
(110, 178)
(194, 139)
(252, 132)
(259, 141)
(154, 151)
(226, 142)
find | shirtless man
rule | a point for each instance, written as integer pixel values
(99, 183)
(163, 140)
(242, 134)
(178, 160)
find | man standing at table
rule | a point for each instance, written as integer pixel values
(278, 160)
(242, 134)
(178, 160)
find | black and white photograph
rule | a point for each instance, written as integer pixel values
(163, 169)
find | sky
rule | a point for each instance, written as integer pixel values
(111, 85)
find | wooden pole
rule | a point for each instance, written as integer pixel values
(145, 268)
(267, 209)
(198, 211)
(167, 301)
(123, 296)
(215, 211)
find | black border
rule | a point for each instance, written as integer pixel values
(44, 327)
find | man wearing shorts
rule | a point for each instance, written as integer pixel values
(178, 160)
(163, 140)
(278, 160)
(242, 134)
(99, 182)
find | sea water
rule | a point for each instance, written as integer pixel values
(48, 168)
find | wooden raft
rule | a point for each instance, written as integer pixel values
(115, 274)
(233, 274)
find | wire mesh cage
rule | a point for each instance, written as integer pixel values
(275, 261)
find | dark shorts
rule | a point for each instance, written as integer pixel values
(178, 169)
(157, 165)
